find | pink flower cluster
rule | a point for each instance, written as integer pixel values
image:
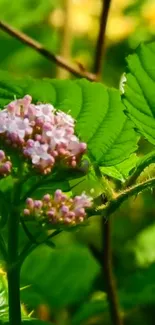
(43, 134)
(59, 208)
(5, 164)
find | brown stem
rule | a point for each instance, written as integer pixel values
(46, 53)
(107, 255)
(108, 274)
(100, 44)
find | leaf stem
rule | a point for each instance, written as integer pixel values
(13, 271)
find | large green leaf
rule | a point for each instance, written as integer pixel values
(88, 311)
(23, 14)
(98, 111)
(142, 246)
(3, 296)
(121, 171)
(138, 289)
(35, 322)
(28, 321)
(139, 93)
(57, 277)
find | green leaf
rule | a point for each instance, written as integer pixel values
(89, 310)
(37, 187)
(3, 296)
(122, 170)
(58, 277)
(139, 93)
(23, 14)
(141, 246)
(35, 322)
(8, 88)
(98, 111)
(109, 135)
(28, 321)
(138, 289)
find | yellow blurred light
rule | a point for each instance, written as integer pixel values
(80, 22)
(57, 17)
(148, 12)
(82, 19)
(94, 29)
(2, 272)
(119, 27)
(119, 5)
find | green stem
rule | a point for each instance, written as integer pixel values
(115, 203)
(13, 272)
(3, 248)
(118, 198)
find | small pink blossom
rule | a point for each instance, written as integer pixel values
(39, 155)
(19, 107)
(19, 126)
(5, 164)
(59, 208)
(64, 119)
(45, 112)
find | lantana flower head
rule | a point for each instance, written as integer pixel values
(59, 208)
(43, 134)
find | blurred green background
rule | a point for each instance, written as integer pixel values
(73, 288)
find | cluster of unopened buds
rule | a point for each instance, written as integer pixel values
(5, 164)
(59, 208)
(42, 134)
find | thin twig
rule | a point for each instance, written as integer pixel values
(38, 47)
(100, 45)
(108, 274)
